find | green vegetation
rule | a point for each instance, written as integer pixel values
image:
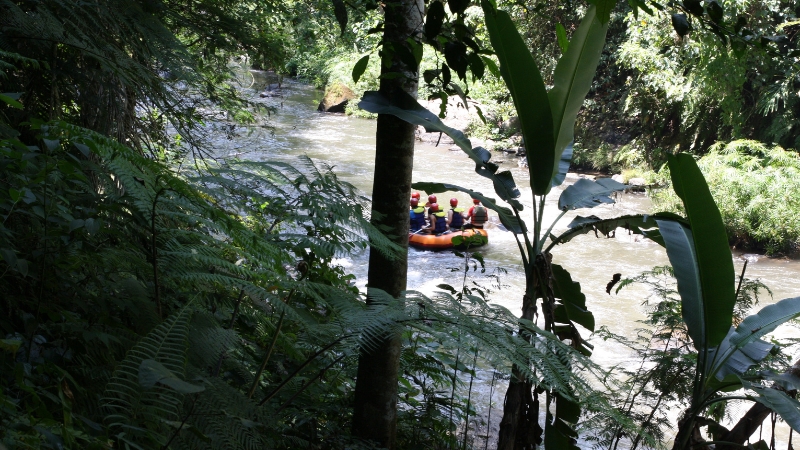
(154, 297)
(757, 189)
(663, 379)
(137, 298)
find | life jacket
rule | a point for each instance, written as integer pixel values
(479, 216)
(458, 219)
(417, 218)
(441, 222)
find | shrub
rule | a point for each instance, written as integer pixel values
(757, 189)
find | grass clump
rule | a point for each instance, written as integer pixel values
(757, 189)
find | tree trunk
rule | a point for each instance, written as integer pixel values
(519, 428)
(375, 409)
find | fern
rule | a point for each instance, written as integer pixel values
(137, 415)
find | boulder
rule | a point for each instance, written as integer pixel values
(636, 185)
(336, 98)
(618, 178)
(511, 124)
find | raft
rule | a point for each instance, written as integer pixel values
(445, 240)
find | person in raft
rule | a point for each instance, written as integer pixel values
(438, 220)
(417, 215)
(431, 200)
(455, 217)
(477, 215)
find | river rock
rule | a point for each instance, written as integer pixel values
(618, 178)
(512, 124)
(434, 138)
(636, 185)
(336, 98)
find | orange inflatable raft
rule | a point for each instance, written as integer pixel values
(445, 240)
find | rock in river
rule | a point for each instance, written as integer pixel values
(336, 98)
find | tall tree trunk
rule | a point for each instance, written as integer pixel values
(519, 427)
(375, 410)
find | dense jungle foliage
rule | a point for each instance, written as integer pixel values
(656, 92)
(152, 296)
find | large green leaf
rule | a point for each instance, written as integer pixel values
(406, 107)
(682, 255)
(709, 310)
(728, 359)
(742, 347)
(507, 217)
(586, 193)
(604, 8)
(559, 431)
(787, 407)
(634, 223)
(524, 81)
(563, 167)
(573, 301)
(573, 78)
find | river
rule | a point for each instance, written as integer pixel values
(348, 144)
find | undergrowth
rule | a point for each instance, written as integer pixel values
(757, 188)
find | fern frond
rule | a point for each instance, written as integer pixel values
(125, 401)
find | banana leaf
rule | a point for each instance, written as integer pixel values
(573, 301)
(524, 81)
(563, 167)
(701, 257)
(559, 432)
(786, 407)
(406, 107)
(634, 223)
(588, 194)
(573, 78)
(742, 347)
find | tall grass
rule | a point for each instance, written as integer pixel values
(757, 189)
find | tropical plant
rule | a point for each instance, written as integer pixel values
(703, 266)
(154, 309)
(705, 72)
(726, 356)
(756, 189)
(547, 121)
(662, 381)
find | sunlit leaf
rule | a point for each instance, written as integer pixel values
(360, 67)
(524, 81)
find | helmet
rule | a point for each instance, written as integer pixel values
(434, 207)
(432, 198)
(453, 202)
(415, 195)
(414, 201)
(475, 201)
